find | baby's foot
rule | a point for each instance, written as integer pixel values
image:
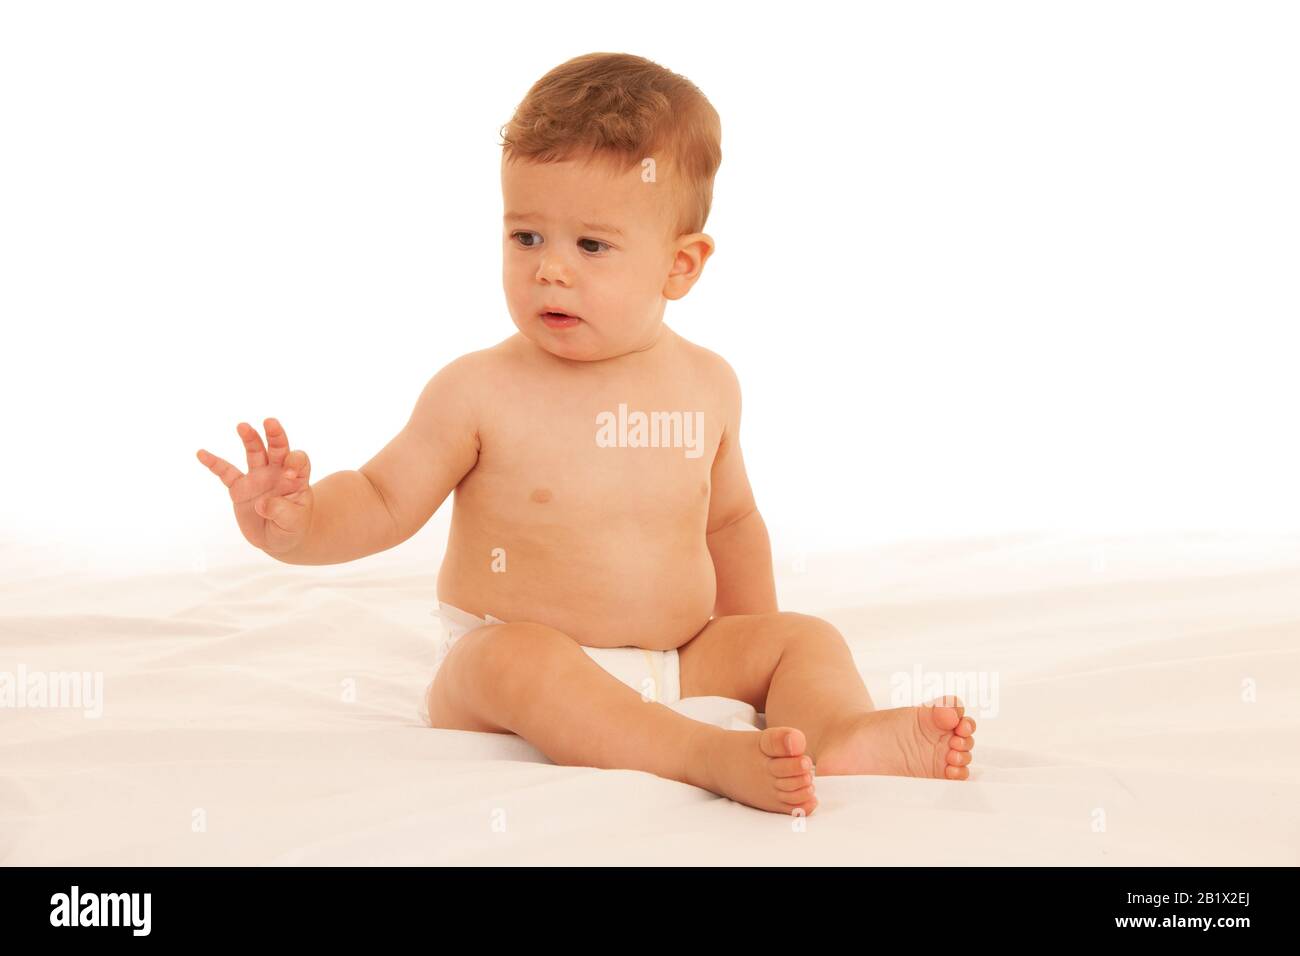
(933, 740)
(767, 770)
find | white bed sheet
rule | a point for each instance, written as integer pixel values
(1125, 730)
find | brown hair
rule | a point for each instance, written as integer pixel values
(623, 108)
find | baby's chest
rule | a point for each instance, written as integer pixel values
(615, 458)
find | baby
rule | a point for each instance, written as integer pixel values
(606, 557)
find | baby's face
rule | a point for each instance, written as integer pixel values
(594, 242)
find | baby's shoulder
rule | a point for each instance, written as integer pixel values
(465, 384)
(710, 368)
(479, 366)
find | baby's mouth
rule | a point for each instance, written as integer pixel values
(555, 319)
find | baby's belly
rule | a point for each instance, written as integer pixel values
(606, 585)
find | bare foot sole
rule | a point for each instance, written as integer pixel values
(768, 770)
(933, 740)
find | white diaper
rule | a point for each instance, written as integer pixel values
(655, 675)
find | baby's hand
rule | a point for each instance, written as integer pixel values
(273, 502)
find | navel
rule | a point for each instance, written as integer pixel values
(541, 495)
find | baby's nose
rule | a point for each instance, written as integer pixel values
(553, 268)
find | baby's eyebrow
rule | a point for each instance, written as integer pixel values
(592, 226)
(601, 227)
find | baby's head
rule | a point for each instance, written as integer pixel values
(607, 175)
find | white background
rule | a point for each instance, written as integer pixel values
(981, 267)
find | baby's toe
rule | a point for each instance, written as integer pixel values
(804, 808)
(961, 743)
(957, 758)
(782, 742)
(789, 766)
(945, 712)
(956, 773)
(793, 798)
(791, 784)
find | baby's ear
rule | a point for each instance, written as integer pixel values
(693, 251)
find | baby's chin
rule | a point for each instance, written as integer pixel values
(563, 344)
(577, 343)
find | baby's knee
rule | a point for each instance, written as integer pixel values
(497, 652)
(797, 626)
(486, 670)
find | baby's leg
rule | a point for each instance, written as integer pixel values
(800, 672)
(537, 682)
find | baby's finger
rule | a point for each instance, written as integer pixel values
(223, 469)
(252, 445)
(278, 440)
(297, 464)
(284, 514)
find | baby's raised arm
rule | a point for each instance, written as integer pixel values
(354, 513)
(415, 472)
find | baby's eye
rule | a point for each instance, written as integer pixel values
(597, 242)
(526, 245)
